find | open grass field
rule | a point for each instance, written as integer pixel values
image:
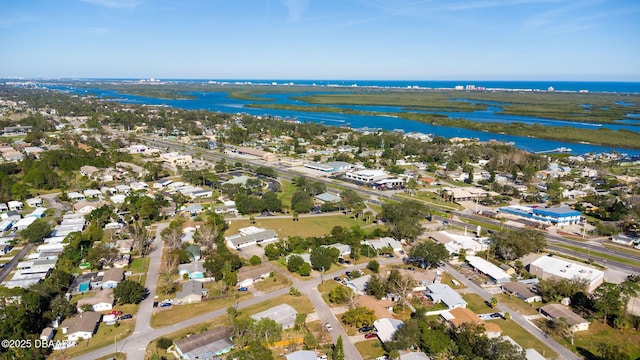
(586, 342)
(139, 265)
(477, 304)
(370, 349)
(306, 226)
(300, 303)
(522, 337)
(286, 192)
(177, 313)
(518, 305)
(276, 282)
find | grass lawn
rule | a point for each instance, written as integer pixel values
(276, 282)
(446, 279)
(139, 265)
(300, 303)
(477, 304)
(103, 337)
(522, 337)
(286, 192)
(179, 313)
(370, 349)
(195, 329)
(306, 226)
(586, 342)
(119, 356)
(622, 248)
(587, 252)
(518, 305)
(325, 288)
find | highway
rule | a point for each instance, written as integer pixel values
(371, 196)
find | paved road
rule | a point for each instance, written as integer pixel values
(562, 352)
(4, 272)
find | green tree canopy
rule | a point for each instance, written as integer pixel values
(129, 292)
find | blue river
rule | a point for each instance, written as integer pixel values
(221, 102)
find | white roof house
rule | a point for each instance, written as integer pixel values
(24, 223)
(547, 267)
(384, 242)
(91, 193)
(487, 268)
(454, 243)
(283, 314)
(34, 202)
(76, 196)
(386, 327)
(251, 236)
(446, 295)
(14, 205)
(359, 285)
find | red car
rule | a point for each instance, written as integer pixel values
(371, 336)
(115, 313)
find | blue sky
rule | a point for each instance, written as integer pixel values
(322, 39)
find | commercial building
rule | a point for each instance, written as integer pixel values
(261, 154)
(366, 176)
(554, 267)
(330, 167)
(251, 236)
(552, 216)
(176, 159)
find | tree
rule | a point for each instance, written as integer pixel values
(338, 350)
(37, 231)
(129, 292)
(140, 238)
(374, 266)
(301, 202)
(255, 260)
(493, 302)
(172, 236)
(429, 254)
(271, 202)
(403, 219)
(359, 317)
(376, 287)
(305, 269)
(294, 263)
(610, 351)
(401, 284)
(206, 236)
(322, 257)
(340, 294)
(100, 255)
(607, 301)
(61, 308)
(512, 244)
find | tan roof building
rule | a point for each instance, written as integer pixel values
(81, 326)
(460, 315)
(103, 300)
(557, 311)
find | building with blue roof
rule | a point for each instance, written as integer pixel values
(555, 216)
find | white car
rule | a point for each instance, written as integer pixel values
(328, 326)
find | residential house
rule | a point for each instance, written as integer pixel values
(251, 236)
(359, 285)
(192, 292)
(522, 291)
(47, 333)
(558, 311)
(14, 205)
(458, 316)
(302, 355)
(283, 314)
(193, 270)
(248, 275)
(102, 300)
(81, 326)
(442, 293)
(34, 202)
(207, 345)
(386, 327)
(112, 278)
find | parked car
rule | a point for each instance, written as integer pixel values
(340, 260)
(328, 326)
(371, 336)
(337, 279)
(243, 288)
(347, 262)
(115, 313)
(365, 329)
(165, 304)
(348, 273)
(126, 316)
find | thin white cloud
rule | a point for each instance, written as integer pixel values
(296, 8)
(114, 3)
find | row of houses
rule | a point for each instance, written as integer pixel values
(39, 264)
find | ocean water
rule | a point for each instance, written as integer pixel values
(219, 101)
